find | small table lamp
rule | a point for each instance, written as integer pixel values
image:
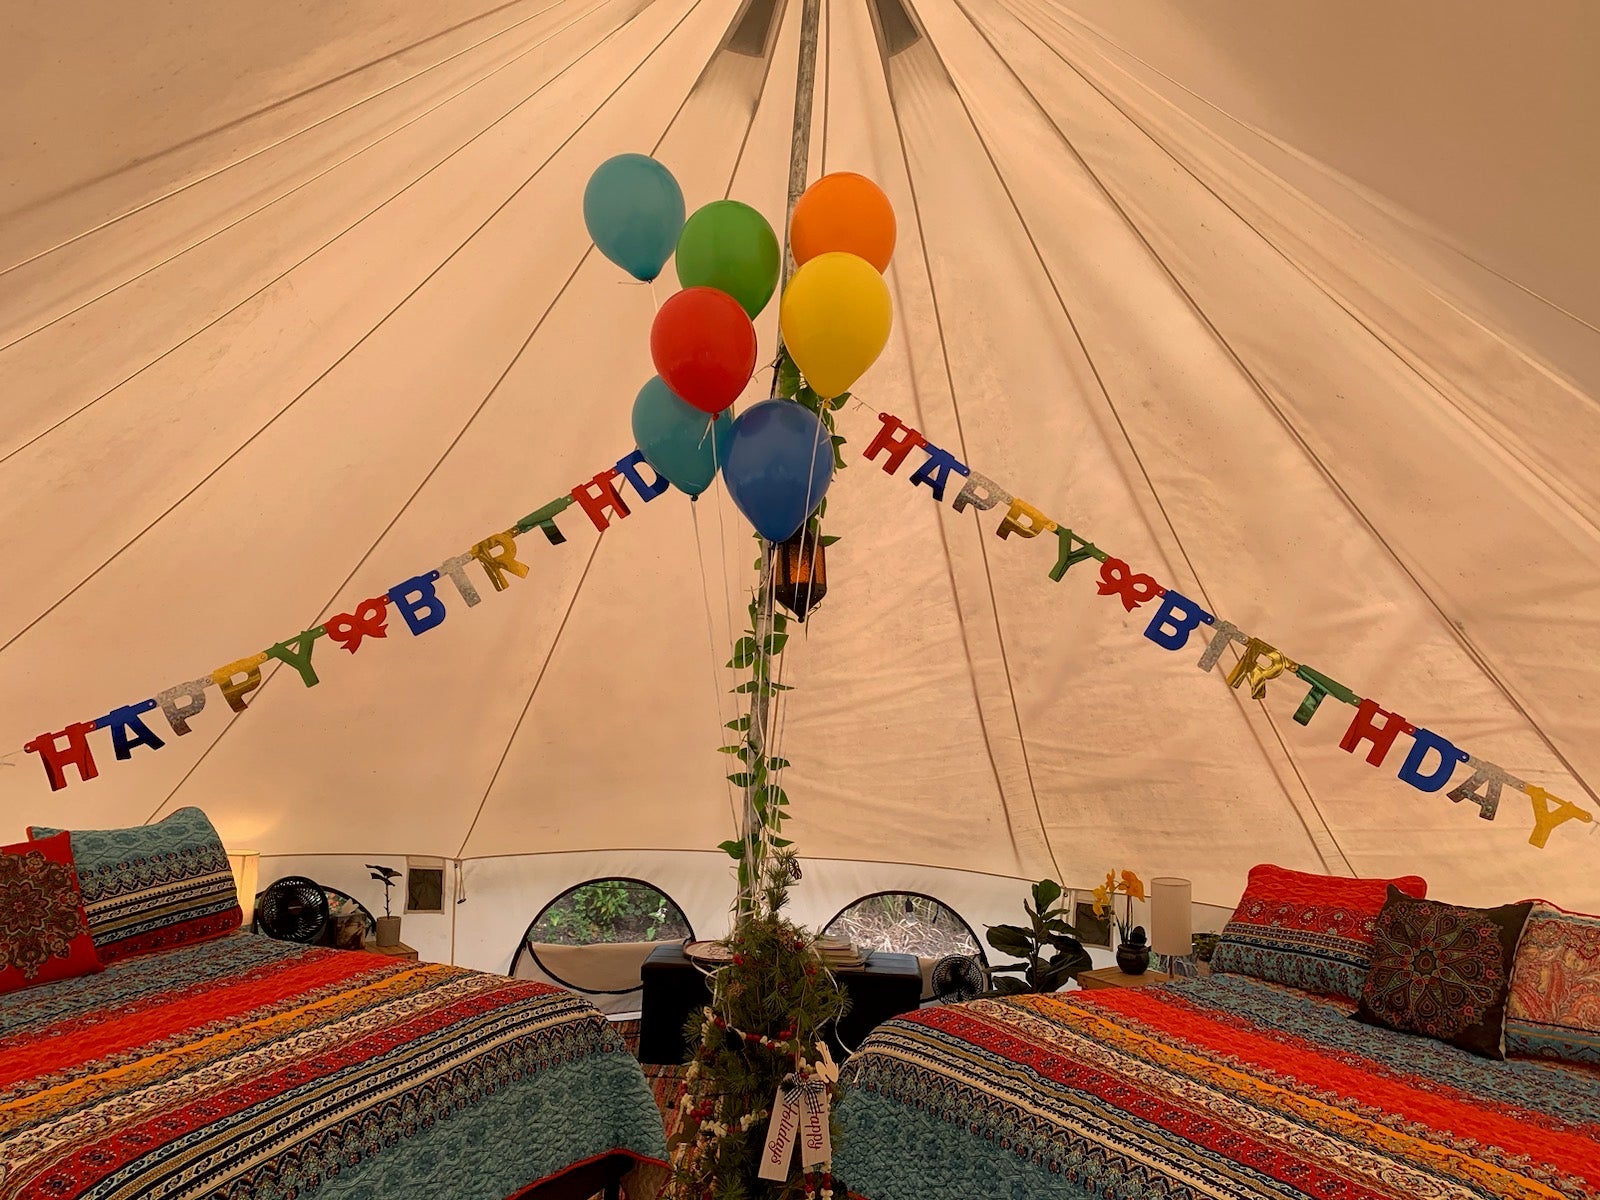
(1172, 924)
(246, 866)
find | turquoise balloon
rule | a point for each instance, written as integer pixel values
(675, 439)
(634, 211)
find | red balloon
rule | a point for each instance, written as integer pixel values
(704, 347)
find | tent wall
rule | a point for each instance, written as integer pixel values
(295, 308)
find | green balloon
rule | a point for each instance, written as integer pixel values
(729, 246)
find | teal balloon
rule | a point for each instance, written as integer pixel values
(633, 208)
(729, 246)
(674, 437)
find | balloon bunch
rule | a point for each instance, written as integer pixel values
(777, 457)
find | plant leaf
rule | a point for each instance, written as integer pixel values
(742, 778)
(788, 377)
(1007, 986)
(1045, 893)
(734, 849)
(829, 539)
(1008, 939)
(741, 724)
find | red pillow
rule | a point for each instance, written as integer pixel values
(44, 935)
(1312, 932)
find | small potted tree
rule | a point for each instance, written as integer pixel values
(388, 925)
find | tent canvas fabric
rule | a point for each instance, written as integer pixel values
(1284, 306)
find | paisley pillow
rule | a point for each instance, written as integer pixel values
(152, 887)
(43, 933)
(1554, 1007)
(1313, 932)
(1443, 971)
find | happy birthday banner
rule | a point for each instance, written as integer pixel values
(1429, 762)
(416, 599)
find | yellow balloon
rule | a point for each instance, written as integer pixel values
(835, 316)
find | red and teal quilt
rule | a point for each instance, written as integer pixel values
(260, 1070)
(1225, 1088)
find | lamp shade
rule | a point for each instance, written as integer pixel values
(1171, 918)
(246, 866)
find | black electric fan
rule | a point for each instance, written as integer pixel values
(958, 977)
(293, 910)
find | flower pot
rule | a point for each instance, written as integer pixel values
(389, 931)
(1133, 960)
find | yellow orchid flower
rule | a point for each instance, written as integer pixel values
(1101, 899)
(1132, 885)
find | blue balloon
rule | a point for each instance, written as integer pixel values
(633, 208)
(779, 466)
(678, 439)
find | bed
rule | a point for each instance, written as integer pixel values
(248, 1068)
(1220, 1087)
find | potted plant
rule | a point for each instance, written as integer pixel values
(1049, 948)
(388, 925)
(1133, 948)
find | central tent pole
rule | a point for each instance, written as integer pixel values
(799, 159)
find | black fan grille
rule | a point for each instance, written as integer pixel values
(293, 910)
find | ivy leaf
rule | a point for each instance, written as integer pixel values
(781, 687)
(741, 724)
(742, 778)
(734, 849)
(829, 539)
(777, 764)
(744, 653)
(780, 843)
(776, 642)
(839, 401)
(748, 686)
(779, 622)
(788, 377)
(739, 750)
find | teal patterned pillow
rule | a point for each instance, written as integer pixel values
(153, 887)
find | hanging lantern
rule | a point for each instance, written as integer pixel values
(801, 577)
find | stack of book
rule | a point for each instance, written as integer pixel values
(838, 952)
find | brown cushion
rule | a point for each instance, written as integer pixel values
(1443, 971)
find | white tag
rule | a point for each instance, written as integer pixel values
(782, 1132)
(816, 1148)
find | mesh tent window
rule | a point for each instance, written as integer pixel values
(906, 923)
(605, 911)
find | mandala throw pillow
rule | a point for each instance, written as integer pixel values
(153, 887)
(1313, 932)
(1554, 1007)
(44, 935)
(1443, 971)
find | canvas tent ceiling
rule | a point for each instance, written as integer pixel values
(1297, 315)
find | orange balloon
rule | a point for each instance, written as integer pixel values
(843, 212)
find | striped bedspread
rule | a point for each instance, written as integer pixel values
(1209, 1088)
(252, 1069)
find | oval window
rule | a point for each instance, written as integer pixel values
(905, 923)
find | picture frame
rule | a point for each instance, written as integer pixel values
(1092, 930)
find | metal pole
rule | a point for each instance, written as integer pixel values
(799, 158)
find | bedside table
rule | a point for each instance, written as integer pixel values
(400, 951)
(1111, 977)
